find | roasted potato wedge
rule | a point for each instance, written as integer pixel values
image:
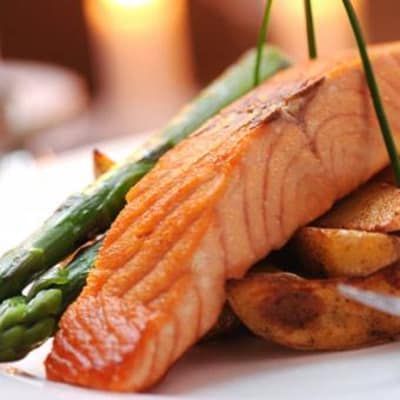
(101, 163)
(375, 207)
(311, 314)
(327, 252)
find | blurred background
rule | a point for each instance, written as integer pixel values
(73, 72)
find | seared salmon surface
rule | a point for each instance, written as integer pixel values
(218, 202)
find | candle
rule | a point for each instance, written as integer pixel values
(333, 31)
(143, 59)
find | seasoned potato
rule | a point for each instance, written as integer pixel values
(340, 252)
(101, 163)
(375, 207)
(311, 314)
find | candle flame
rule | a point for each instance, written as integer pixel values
(130, 3)
(123, 15)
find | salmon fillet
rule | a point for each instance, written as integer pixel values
(214, 205)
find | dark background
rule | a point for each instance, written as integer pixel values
(55, 32)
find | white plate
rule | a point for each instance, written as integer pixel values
(244, 368)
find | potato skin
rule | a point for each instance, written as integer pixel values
(311, 314)
(101, 163)
(327, 252)
(375, 207)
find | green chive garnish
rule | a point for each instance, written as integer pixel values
(260, 42)
(312, 45)
(373, 88)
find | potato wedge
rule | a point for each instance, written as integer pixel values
(101, 163)
(327, 252)
(375, 207)
(311, 314)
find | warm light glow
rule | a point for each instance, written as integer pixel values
(142, 54)
(130, 3)
(124, 15)
(332, 28)
(321, 9)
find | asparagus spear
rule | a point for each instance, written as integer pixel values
(28, 321)
(69, 278)
(90, 212)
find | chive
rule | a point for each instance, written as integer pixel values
(260, 41)
(373, 88)
(312, 45)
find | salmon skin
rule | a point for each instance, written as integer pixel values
(214, 205)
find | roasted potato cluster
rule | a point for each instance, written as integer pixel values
(356, 243)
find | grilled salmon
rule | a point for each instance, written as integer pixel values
(218, 202)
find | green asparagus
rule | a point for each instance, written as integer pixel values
(86, 214)
(69, 278)
(25, 325)
(27, 321)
